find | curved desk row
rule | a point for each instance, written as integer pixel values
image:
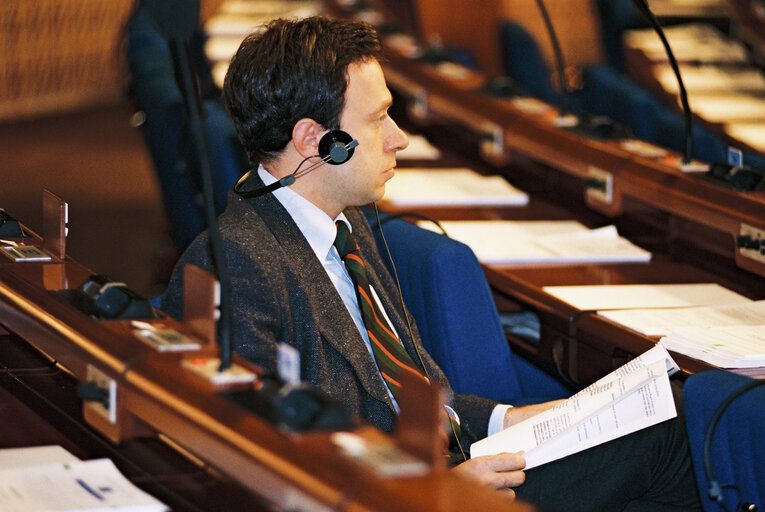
(199, 449)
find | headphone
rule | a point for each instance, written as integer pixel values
(335, 147)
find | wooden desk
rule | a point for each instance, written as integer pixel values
(580, 344)
(691, 225)
(236, 455)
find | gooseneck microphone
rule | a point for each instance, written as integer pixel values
(559, 63)
(335, 147)
(645, 11)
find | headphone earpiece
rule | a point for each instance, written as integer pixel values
(336, 147)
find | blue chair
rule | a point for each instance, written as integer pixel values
(446, 292)
(156, 93)
(737, 449)
(524, 63)
(617, 16)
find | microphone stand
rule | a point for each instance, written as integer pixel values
(645, 11)
(560, 64)
(180, 50)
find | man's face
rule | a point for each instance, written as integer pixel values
(362, 179)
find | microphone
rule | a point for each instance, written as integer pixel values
(597, 127)
(559, 63)
(645, 11)
(335, 147)
(732, 174)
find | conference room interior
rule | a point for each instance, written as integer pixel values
(72, 124)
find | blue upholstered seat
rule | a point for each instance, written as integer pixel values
(446, 291)
(523, 62)
(157, 95)
(738, 446)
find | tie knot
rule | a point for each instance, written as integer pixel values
(344, 241)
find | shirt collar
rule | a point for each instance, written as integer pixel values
(317, 228)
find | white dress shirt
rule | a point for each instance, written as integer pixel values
(320, 231)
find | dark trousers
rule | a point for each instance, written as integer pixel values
(648, 470)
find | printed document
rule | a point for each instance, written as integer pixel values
(631, 398)
(451, 187)
(740, 346)
(662, 321)
(88, 486)
(542, 242)
(628, 296)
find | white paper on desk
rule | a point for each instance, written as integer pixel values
(451, 187)
(272, 8)
(543, 242)
(728, 107)
(14, 458)
(727, 347)
(699, 42)
(631, 398)
(631, 296)
(418, 149)
(750, 132)
(661, 321)
(92, 486)
(700, 79)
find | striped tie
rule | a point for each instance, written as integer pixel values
(390, 354)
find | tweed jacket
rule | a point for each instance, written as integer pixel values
(280, 293)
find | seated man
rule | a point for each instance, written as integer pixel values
(305, 270)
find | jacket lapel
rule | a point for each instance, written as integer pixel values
(337, 327)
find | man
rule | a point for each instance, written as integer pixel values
(287, 87)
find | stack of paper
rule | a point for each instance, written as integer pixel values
(543, 242)
(451, 187)
(741, 346)
(701, 79)
(627, 296)
(728, 107)
(49, 479)
(662, 321)
(751, 133)
(697, 42)
(419, 148)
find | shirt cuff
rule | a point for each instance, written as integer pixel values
(497, 419)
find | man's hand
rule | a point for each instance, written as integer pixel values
(501, 471)
(517, 414)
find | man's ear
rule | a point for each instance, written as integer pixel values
(306, 135)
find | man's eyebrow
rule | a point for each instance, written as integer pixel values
(384, 106)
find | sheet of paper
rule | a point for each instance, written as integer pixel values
(419, 149)
(700, 79)
(88, 486)
(14, 458)
(632, 296)
(661, 321)
(722, 108)
(633, 397)
(726, 347)
(698, 42)
(451, 187)
(542, 242)
(751, 133)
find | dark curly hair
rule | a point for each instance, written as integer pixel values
(290, 70)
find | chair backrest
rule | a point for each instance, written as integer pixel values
(166, 128)
(523, 62)
(737, 455)
(446, 292)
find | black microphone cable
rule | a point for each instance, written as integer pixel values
(561, 65)
(643, 8)
(409, 326)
